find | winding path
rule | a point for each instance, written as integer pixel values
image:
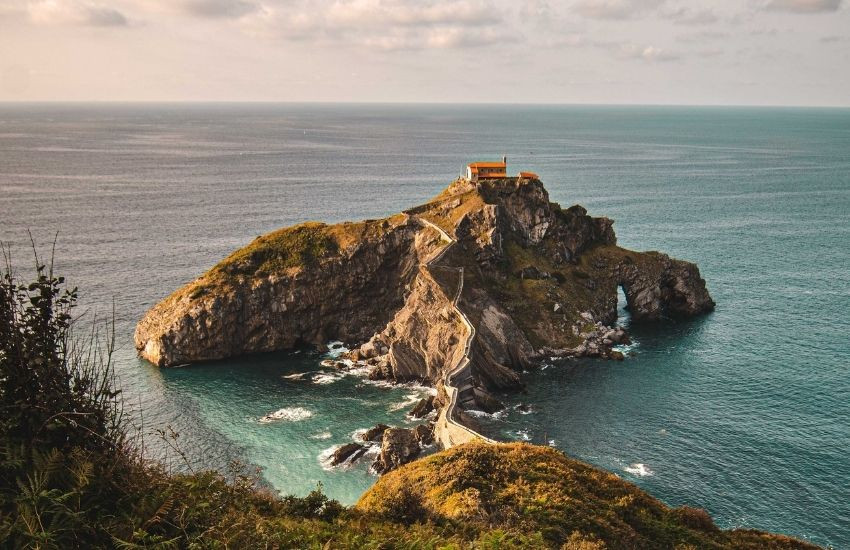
(447, 430)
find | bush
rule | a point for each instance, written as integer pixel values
(695, 518)
(62, 440)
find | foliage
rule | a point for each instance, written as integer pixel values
(521, 488)
(62, 441)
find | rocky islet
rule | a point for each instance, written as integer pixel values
(533, 280)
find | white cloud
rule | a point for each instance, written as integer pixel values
(703, 37)
(645, 53)
(616, 9)
(438, 38)
(75, 12)
(685, 16)
(804, 6)
(387, 25)
(231, 9)
(378, 13)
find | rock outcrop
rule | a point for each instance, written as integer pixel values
(423, 407)
(307, 284)
(399, 446)
(375, 433)
(532, 279)
(347, 453)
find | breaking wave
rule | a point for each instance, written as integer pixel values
(409, 400)
(288, 414)
(327, 378)
(639, 469)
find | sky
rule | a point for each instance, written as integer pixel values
(726, 52)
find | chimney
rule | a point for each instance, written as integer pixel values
(505, 160)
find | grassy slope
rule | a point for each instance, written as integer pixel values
(538, 491)
(283, 252)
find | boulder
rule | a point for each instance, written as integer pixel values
(369, 350)
(347, 453)
(422, 408)
(376, 433)
(486, 401)
(398, 447)
(424, 434)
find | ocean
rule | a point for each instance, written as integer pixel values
(744, 412)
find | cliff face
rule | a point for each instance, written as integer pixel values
(531, 277)
(537, 280)
(308, 284)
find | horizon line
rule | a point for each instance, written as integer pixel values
(399, 103)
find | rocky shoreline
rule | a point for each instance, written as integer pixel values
(477, 285)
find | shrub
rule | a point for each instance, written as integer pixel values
(695, 518)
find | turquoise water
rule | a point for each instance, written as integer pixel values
(320, 408)
(743, 412)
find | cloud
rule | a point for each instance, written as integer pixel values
(436, 39)
(74, 12)
(227, 9)
(711, 52)
(616, 9)
(803, 6)
(372, 13)
(685, 16)
(386, 25)
(645, 53)
(703, 36)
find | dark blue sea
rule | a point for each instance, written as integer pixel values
(744, 412)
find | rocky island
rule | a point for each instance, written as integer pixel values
(462, 293)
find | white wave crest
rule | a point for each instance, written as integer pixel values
(322, 435)
(289, 414)
(327, 378)
(409, 400)
(335, 349)
(639, 469)
(357, 435)
(326, 456)
(498, 415)
(524, 409)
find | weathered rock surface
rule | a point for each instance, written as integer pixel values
(347, 453)
(399, 446)
(424, 434)
(423, 407)
(252, 302)
(376, 433)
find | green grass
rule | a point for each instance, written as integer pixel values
(292, 247)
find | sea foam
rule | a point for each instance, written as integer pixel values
(288, 414)
(639, 469)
